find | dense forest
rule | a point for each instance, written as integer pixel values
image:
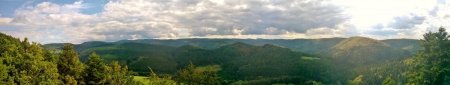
(329, 61)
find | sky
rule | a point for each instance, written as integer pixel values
(77, 21)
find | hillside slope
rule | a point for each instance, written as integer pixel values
(411, 45)
(359, 51)
(237, 61)
(311, 46)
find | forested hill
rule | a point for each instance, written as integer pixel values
(360, 51)
(254, 59)
(238, 60)
(312, 46)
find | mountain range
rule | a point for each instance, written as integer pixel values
(250, 59)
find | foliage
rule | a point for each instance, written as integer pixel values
(237, 61)
(25, 63)
(22, 62)
(120, 75)
(389, 81)
(357, 81)
(96, 71)
(154, 79)
(69, 80)
(196, 75)
(317, 83)
(69, 65)
(431, 65)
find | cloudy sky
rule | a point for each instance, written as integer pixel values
(76, 21)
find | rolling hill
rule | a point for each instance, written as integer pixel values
(360, 51)
(311, 46)
(356, 51)
(238, 60)
(358, 55)
(253, 59)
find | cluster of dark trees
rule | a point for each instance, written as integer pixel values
(430, 66)
(25, 63)
(190, 75)
(265, 64)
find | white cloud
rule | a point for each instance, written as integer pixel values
(385, 19)
(171, 19)
(366, 13)
(203, 17)
(49, 22)
(4, 21)
(131, 19)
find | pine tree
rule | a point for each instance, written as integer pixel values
(389, 81)
(41, 71)
(192, 75)
(187, 75)
(96, 71)
(69, 64)
(120, 75)
(431, 65)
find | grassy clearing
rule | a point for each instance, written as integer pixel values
(141, 79)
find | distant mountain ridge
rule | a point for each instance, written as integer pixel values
(313, 46)
(238, 60)
(354, 42)
(355, 51)
(250, 59)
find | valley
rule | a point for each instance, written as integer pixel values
(255, 59)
